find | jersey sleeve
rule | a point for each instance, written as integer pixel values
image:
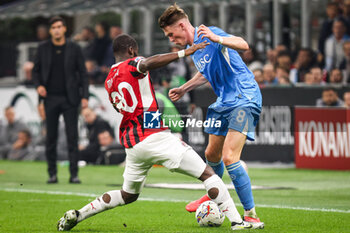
(219, 32)
(133, 67)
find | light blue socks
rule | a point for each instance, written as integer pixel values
(241, 181)
(218, 167)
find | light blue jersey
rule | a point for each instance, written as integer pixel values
(238, 105)
(232, 81)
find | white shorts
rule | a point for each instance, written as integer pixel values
(161, 148)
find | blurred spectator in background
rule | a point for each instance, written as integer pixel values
(269, 75)
(309, 78)
(305, 60)
(111, 152)
(95, 125)
(101, 46)
(345, 64)
(340, 5)
(85, 39)
(105, 138)
(346, 98)
(259, 77)
(282, 75)
(179, 69)
(250, 58)
(329, 98)
(336, 76)
(114, 31)
(346, 14)
(284, 60)
(317, 75)
(280, 48)
(326, 28)
(22, 148)
(94, 74)
(334, 53)
(42, 32)
(87, 34)
(10, 131)
(271, 56)
(27, 69)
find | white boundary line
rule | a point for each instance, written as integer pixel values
(168, 200)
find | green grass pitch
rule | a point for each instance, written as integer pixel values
(317, 201)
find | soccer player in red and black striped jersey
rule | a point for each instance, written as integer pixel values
(131, 93)
(130, 88)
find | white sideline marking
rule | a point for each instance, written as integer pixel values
(168, 200)
(200, 186)
(303, 208)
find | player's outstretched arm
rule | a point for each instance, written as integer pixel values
(160, 60)
(233, 42)
(176, 93)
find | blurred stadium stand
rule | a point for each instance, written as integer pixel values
(264, 23)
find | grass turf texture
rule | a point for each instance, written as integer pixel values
(38, 212)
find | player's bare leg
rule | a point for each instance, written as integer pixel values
(231, 152)
(218, 193)
(107, 201)
(213, 153)
(213, 156)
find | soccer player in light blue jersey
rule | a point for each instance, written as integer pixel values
(238, 105)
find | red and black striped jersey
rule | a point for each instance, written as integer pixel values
(131, 93)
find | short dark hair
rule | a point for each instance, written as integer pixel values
(308, 50)
(57, 19)
(284, 53)
(26, 132)
(341, 20)
(42, 26)
(104, 25)
(316, 67)
(282, 68)
(88, 28)
(122, 43)
(329, 89)
(333, 4)
(171, 15)
(333, 69)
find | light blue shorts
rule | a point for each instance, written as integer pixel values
(241, 118)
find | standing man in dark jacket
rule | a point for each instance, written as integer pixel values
(60, 78)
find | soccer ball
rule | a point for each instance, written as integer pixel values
(208, 214)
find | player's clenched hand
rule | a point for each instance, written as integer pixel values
(176, 93)
(41, 91)
(191, 50)
(204, 31)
